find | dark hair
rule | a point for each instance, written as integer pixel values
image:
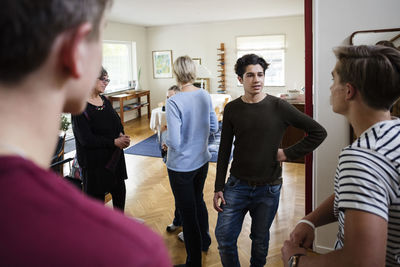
(29, 28)
(373, 70)
(103, 72)
(174, 88)
(249, 59)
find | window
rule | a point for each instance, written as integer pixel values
(119, 59)
(272, 49)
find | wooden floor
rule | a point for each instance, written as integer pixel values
(149, 197)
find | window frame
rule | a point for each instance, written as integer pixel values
(132, 69)
(261, 52)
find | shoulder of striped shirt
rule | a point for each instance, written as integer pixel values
(372, 154)
(381, 131)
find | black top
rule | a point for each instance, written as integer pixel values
(95, 130)
(257, 130)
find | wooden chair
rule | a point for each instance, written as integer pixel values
(221, 113)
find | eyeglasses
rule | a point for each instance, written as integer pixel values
(104, 80)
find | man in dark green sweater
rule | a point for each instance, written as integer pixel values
(256, 122)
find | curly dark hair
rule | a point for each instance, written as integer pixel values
(249, 59)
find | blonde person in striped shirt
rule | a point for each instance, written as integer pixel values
(366, 199)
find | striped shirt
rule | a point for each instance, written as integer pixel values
(368, 179)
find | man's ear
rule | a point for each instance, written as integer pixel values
(240, 79)
(351, 91)
(73, 50)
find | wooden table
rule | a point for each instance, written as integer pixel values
(132, 94)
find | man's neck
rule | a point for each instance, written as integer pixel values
(30, 123)
(253, 98)
(363, 118)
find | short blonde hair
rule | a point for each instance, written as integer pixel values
(185, 70)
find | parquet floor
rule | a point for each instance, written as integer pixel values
(149, 197)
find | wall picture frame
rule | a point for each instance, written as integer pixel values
(197, 60)
(162, 64)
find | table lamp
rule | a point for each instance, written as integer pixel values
(202, 73)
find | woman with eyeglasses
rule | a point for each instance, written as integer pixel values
(100, 140)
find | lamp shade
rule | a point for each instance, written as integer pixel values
(202, 72)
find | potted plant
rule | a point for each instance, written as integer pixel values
(65, 123)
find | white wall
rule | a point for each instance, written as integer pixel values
(137, 34)
(202, 41)
(334, 21)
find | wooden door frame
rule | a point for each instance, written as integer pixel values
(308, 98)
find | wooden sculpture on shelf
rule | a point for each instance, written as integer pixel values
(221, 68)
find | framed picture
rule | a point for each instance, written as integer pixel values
(197, 60)
(162, 64)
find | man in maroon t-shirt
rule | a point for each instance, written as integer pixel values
(50, 56)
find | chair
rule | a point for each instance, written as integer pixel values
(221, 113)
(58, 156)
(58, 161)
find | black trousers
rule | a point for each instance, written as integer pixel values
(114, 186)
(188, 191)
(118, 194)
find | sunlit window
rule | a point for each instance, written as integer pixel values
(119, 59)
(272, 49)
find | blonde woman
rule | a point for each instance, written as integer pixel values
(190, 120)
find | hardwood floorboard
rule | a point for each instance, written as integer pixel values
(149, 197)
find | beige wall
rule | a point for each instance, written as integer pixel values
(334, 21)
(202, 41)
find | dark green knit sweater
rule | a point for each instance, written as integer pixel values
(257, 130)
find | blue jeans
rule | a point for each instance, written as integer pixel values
(262, 203)
(188, 191)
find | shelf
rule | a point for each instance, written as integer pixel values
(221, 67)
(131, 107)
(128, 95)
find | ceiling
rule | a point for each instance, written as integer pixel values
(171, 12)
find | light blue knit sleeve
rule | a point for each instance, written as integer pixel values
(174, 123)
(213, 118)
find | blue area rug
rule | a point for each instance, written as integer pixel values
(148, 147)
(151, 148)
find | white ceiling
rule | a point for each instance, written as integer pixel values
(170, 12)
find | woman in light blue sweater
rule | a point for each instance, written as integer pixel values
(190, 120)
